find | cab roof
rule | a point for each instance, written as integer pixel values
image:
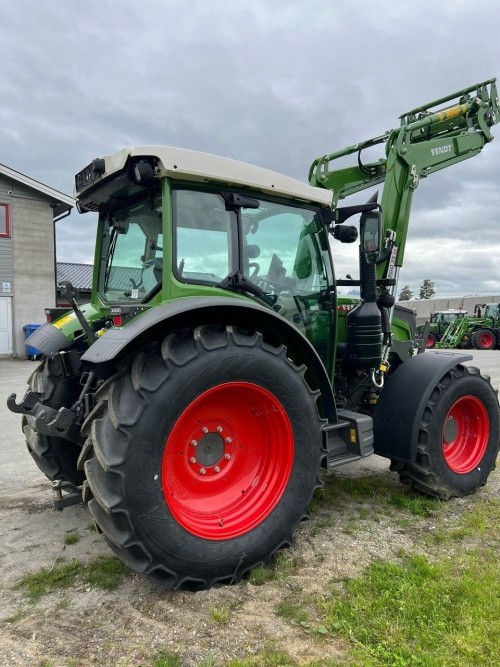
(191, 165)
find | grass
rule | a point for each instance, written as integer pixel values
(478, 522)
(420, 614)
(292, 612)
(282, 565)
(277, 658)
(220, 615)
(380, 491)
(72, 538)
(104, 572)
(166, 659)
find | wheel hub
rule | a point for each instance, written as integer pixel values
(450, 430)
(210, 449)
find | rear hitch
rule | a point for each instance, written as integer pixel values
(30, 401)
(48, 421)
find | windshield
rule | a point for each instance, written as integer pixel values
(275, 248)
(131, 261)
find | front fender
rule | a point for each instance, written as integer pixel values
(156, 322)
(399, 410)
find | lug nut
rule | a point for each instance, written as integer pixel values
(217, 469)
(202, 471)
(227, 456)
(194, 442)
(205, 429)
(192, 460)
(229, 440)
(219, 429)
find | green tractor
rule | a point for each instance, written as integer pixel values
(481, 332)
(195, 401)
(486, 334)
(438, 323)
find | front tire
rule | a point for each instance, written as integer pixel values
(430, 341)
(458, 436)
(206, 453)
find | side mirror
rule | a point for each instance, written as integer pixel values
(370, 231)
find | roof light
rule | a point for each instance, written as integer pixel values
(98, 166)
(143, 173)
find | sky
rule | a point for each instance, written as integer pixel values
(271, 82)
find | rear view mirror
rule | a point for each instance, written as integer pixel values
(370, 232)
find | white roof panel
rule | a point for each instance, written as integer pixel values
(194, 165)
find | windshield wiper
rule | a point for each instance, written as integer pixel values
(237, 282)
(109, 257)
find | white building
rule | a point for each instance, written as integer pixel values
(28, 211)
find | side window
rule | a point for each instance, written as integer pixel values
(202, 239)
(4, 221)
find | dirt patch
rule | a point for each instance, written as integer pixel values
(83, 625)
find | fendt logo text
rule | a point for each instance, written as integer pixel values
(441, 149)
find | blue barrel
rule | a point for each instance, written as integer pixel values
(28, 329)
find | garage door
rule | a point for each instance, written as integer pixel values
(6, 325)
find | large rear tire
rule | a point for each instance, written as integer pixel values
(57, 458)
(458, 436)
(204, 455)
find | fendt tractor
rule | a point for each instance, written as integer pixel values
(438, 324)
(216, 370)
(481, 332)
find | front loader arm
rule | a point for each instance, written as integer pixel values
(426, 141)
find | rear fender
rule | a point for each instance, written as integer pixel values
(399, 410)
(116, 344)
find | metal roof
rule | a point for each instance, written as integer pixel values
(79, 275)
(61, 203)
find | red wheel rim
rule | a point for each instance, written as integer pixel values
(227, 460)
(430, 342)
(465, 434)
(486, 340)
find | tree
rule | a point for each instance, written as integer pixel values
(427, 290)
(405, 294)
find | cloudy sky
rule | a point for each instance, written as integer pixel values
(272, 82)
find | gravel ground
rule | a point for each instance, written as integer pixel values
(83, 625)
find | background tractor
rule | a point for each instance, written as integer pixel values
(216, 371)
(438, 323)
(481, 332)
